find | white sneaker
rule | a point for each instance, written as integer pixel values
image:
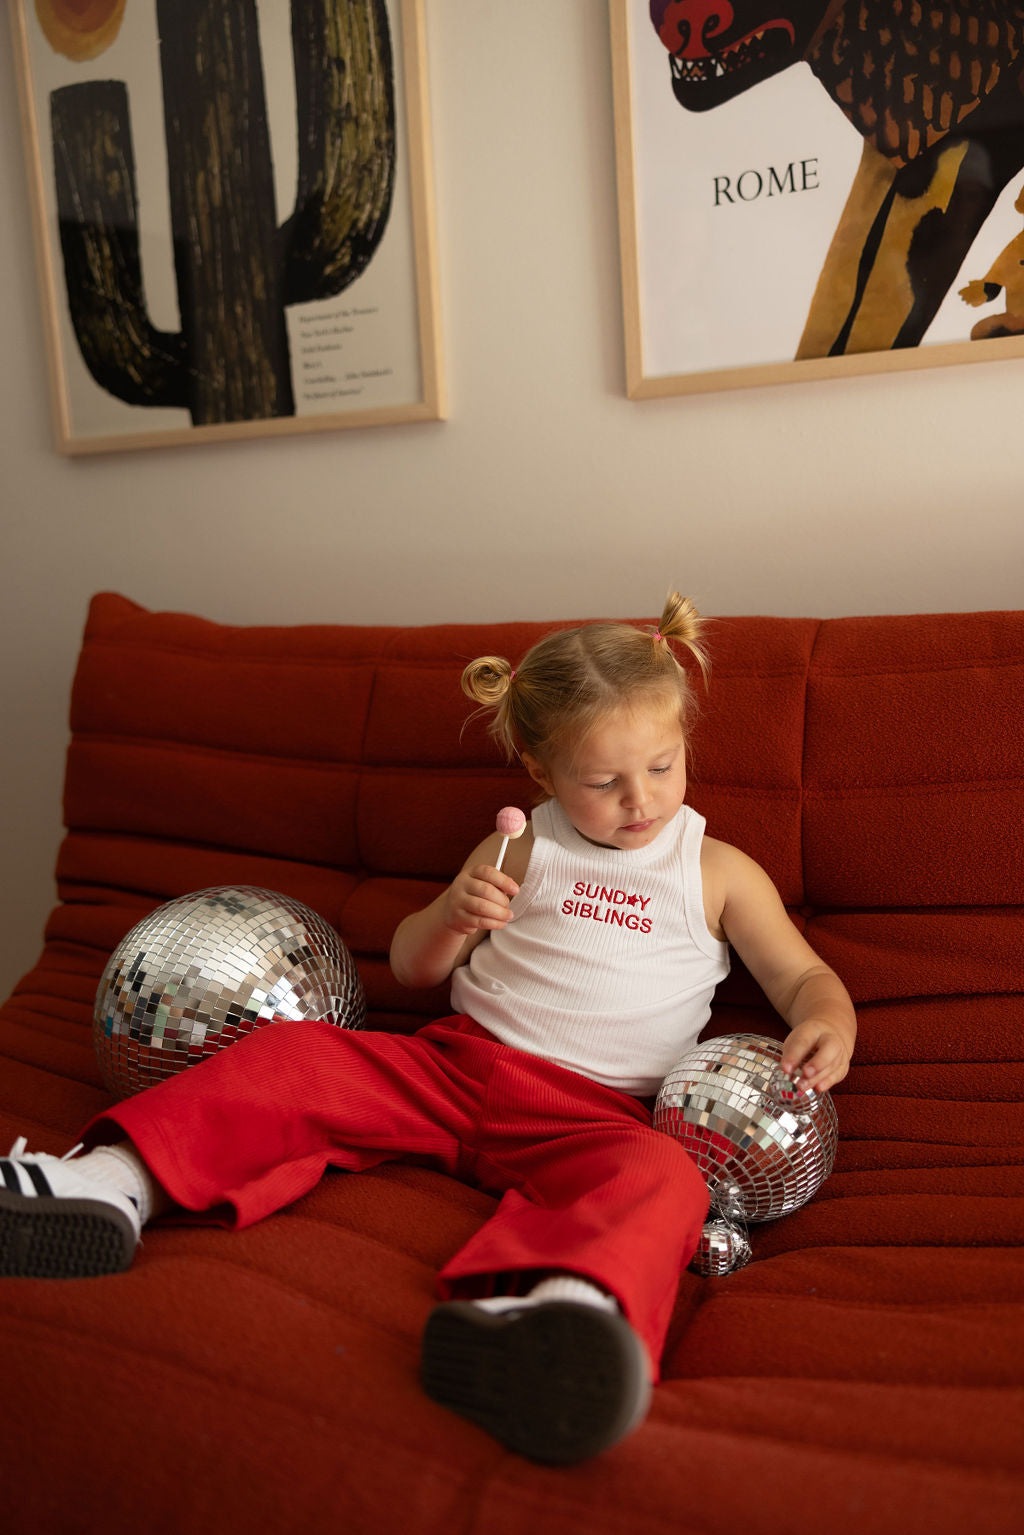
(55, 1224)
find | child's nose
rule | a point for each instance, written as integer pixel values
(635, 793)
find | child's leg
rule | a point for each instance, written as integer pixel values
(622, 1210)
(597, 1193)
(560, 1379)
(594, 1191)
(242, 1135)
(256, 1126)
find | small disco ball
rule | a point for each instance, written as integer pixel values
(210, 967)
(763, 1144)
(722, 1248)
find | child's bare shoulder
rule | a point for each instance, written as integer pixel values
(725, 872)
(715, 855)
(720, 861)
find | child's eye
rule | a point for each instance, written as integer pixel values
(601, 787)
(659, 769)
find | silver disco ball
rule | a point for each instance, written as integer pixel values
(722, 1248)
(210, 967)
(763, 1145)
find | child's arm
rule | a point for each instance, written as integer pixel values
(429, 944)
(742, 903)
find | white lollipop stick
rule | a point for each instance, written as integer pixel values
(511, 823)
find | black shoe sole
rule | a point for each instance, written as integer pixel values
(43, 1238)
(557, 1382)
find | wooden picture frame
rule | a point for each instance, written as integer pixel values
(162, 138)
(771, 234)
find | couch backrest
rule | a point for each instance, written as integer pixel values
(874, 766)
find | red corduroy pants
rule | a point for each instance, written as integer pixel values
(587, 1185)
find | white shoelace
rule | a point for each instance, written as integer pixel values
(18, 1151)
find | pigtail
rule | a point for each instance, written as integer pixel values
(680, 621)
(487, 679)
(488, 682)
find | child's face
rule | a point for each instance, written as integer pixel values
(625, 780)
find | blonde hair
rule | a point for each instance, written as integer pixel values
(568, 680)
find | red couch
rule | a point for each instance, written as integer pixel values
(863, 1373)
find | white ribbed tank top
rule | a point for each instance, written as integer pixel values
(609, 966)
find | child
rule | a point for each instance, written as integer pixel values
(580, 973)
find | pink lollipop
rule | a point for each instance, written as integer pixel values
(511, 823)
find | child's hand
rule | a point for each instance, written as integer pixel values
(818, 1054)
(478, 900)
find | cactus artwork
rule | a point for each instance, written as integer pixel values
(236, 267)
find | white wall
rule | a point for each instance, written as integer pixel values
(547, 493)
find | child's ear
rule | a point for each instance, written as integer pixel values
(538, 773)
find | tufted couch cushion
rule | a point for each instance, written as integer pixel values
(864, 1373)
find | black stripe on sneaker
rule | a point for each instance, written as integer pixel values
(38, 1178)
(10, 1176)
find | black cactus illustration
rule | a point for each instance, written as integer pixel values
(236, 269)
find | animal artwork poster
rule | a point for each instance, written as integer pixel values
(233, 215)
(811, 188)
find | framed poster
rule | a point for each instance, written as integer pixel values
(811, 188)
(233, 216)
